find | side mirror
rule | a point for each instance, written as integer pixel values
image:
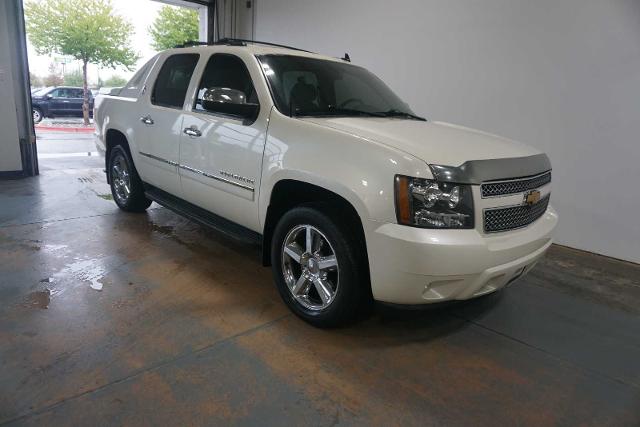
(229, 101)
(48, 96)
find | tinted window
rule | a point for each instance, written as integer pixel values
(77, 93)
(173, 80)
(226, 71)
(59, 93)
(133, 87)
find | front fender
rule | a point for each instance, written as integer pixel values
(357, 169)
(42, 106)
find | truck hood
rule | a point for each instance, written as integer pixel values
(434, 142)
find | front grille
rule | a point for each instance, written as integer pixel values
(492, 189)
(503, 219)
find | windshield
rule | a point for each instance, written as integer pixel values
(43, 91)
(314, 87)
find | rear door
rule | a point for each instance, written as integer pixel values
(76, 98)
(161, 116)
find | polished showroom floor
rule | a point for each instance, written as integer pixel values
(149, 319)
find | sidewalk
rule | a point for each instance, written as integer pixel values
(65, 124)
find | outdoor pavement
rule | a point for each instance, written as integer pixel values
(67, 150)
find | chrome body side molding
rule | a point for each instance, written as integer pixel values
(160, 159)
(199, 172)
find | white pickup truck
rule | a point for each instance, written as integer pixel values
(352, 197)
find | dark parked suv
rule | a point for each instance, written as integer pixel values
(59, 101)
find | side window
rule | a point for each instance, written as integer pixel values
(77, 93)
(173, 80)
(226, 71)
(133, 87)
(55, 93)
(64, 93)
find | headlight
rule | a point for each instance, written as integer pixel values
(431, 204)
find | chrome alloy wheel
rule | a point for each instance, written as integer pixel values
(310, 267)
(37, 116)
(121, 179)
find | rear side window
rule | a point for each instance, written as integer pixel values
(77, 93)
(173, 80)
(133, 87)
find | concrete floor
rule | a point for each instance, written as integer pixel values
(188, 329)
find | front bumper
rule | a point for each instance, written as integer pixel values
(419, 266)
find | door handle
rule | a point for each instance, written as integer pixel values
(146, 120)
(192, 132)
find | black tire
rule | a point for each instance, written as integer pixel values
(134, 200)
(352, 290)
(38, 115)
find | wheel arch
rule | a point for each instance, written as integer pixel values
(288, 193)
(113, 137)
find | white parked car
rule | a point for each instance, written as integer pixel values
(352, 196)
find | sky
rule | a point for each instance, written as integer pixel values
(140, 13)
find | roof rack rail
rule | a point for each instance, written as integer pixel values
(237, 42)
(190, 43)
(233, 41)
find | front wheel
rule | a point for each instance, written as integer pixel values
(126, 185)
(37, 115)
(316, 267)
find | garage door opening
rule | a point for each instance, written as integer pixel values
(82, 50)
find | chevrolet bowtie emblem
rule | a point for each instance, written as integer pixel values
(532, 197)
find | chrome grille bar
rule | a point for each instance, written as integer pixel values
(514, 186)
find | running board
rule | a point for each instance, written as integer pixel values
(202, 216)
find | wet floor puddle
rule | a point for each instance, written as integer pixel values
(87, 270)
(38, 299)
(41, 299)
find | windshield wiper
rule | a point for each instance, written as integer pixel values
(397, 113)
(340, 112)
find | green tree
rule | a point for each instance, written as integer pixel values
(174, 26)
(87, 30)
(115, 81)
(74, 78)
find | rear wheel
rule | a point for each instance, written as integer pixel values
(126, 185)
(316, 268)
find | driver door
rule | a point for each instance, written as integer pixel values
(221, 154)
(58, 101)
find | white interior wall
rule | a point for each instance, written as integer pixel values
(235, 18)
(562, 75)
(10, 159)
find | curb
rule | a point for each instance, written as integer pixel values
(65, 129)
